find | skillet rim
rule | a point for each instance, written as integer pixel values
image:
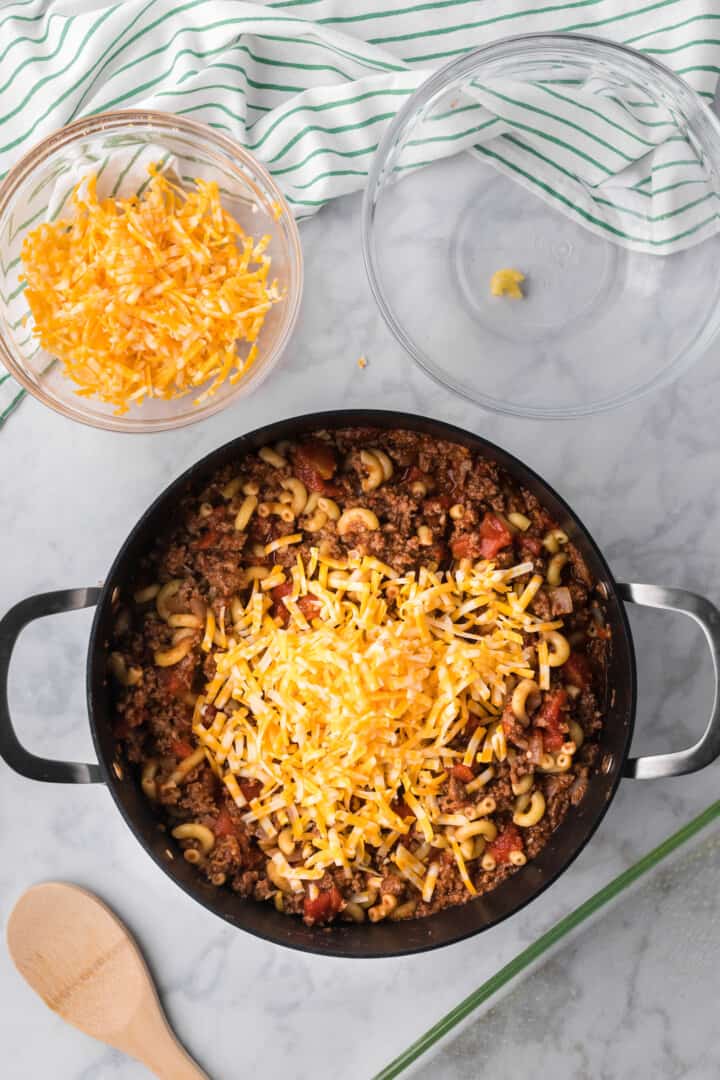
(406, 937)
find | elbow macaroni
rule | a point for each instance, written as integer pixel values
(298, 492)
(357, 517)
(271, 457)
(520, 521)
(170, 657)
(163, 595)
(193, 830)
(555, 568)
(385, 462)
(329, 507)
(318, 520)
(144, 596)
(375, 474)
(527, 692)
(554, 539)
(278, 509)
(186, 766)
(506, 282)
(559, 648)
(148, 774)
(523, 785)
(529, 810)
(126, 676)
(247, 509)
(231, 488)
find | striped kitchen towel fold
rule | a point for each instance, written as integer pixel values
(310, 85)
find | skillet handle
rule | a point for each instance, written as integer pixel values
(707, 616)
(11, 625)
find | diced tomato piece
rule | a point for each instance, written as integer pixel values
(463, 773)
(176, 680)
(250, 788)
(577, 670)
(491, 537)
(314, 463)
(312, 480)
(531, 544)
(224, 824)
(494, 535)
(321, 457)
(506, 841)
(325, 906)
(207, 540)
(553, 740)
(310, 607)
(446, 500)
(180, 748)
(465, 546)
(330, 489)
(281, 590)
(279, 611)
(551, 719)
(554, 703)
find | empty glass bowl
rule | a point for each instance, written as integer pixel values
(600, 324)
(114, 143)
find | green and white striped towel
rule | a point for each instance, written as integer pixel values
(310, 85)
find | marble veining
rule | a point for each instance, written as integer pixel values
(644, 481)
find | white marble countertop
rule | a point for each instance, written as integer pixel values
(643, 480)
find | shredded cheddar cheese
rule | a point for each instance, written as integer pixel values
(357, 703)
(149, 296)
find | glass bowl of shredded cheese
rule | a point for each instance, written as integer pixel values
(151, 271)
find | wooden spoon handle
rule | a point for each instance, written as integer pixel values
(171, 1062)
(151, 1040)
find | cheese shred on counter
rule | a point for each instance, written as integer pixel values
(148, 296)
(348, 715)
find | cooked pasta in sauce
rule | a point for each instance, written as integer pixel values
(362, 677)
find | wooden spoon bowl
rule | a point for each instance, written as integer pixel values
(81, 960)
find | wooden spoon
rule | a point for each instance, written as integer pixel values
(77, 955)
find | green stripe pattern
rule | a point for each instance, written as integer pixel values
(311, 85)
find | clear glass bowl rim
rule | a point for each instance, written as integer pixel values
(561, 46)
(128, 120)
